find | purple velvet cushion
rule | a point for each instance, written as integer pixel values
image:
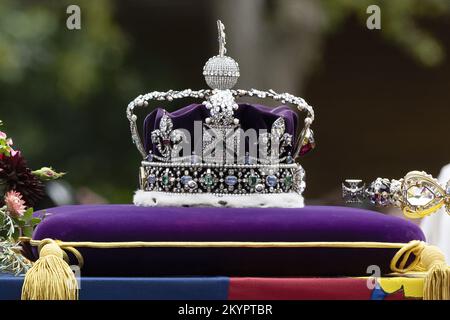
(131, 223)
(250, 115)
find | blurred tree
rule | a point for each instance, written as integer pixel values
(288, 35)
(57, 86)
(401, 23)
(34, 41)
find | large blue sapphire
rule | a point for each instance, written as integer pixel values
(230, 180)
(271, 180)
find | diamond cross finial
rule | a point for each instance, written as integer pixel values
(222, 40)
(353, 191)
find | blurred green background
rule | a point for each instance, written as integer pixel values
(381, 96)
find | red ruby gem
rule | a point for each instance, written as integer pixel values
(306, 148)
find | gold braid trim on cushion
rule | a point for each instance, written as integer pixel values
(415, 256)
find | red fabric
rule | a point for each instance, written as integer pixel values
(298, 289)
(399, 295)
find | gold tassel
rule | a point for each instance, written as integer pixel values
(50, 278)
(418, 256)
(437, 281)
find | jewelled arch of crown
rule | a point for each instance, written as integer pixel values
(166, 178)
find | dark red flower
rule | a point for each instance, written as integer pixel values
(15, 175)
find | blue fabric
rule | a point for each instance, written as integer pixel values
(378, 293)
(10, 287)
(93, 288)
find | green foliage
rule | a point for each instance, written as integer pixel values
(400, 23)
(26, 224)
(34, 39)
(5, 143)
(10, 259)
(11, 228)
(7, 225)
(48, 174)
(4, 147)
(60, 88)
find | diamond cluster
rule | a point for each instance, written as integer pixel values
(421, 191)
(379, 192)
(221, 105)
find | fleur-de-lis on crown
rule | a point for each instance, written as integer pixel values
(276, 138)
(167, 140)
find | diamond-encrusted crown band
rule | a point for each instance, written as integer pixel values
(227, 179)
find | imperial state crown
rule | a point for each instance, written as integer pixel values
(221, 152)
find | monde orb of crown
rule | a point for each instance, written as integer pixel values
(221, 72)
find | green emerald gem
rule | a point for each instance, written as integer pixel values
(252, 180)
(288, 181)
(165, 179)
(208, 180)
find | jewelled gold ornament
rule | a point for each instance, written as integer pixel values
(418, 194)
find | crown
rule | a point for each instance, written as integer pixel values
(220, 152)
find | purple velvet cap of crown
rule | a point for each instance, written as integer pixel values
(250, 116)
